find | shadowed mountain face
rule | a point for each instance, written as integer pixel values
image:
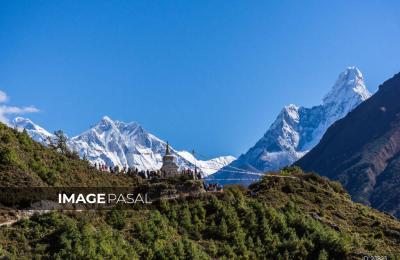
(362, 150)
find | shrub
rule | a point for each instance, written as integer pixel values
(8, 157)
(290, 170)
(337, 187)
(116, 219)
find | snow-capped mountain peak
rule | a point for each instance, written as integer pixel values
(347, 93)
(349, 85)
(291, 113)
(36, 132)
(130, 145)
(297, 129)
(106, 119)
(104, 124)
(116, 143)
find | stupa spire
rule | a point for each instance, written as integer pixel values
(167, 150)
(169, 167)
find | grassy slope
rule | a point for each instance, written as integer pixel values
(23, 162)
(330, 204)
(302, 215)
(306, 217)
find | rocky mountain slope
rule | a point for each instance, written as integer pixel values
(116, 143)
(362, 150)
(296, 130)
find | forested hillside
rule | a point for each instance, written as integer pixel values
(304, 217)
(290, 215)
(24, 162)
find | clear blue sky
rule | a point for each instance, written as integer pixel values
(209, 75)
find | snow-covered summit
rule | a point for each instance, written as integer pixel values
(348, 91)
(297, 129)
(130, 145)
(116, 143)
(348, 87)
(36, 132)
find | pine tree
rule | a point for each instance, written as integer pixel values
(223, 229)
(61, 142)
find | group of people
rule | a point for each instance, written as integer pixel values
(115, 169)
(148, 174)
(213, 187)
(158, 174)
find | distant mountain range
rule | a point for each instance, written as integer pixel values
(116, 143)
(362, 150)
(295, 131)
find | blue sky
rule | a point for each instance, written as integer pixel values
(208, 75)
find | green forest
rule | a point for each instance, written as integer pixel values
(286, 215)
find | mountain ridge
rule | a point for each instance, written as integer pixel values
(116, 143)
(362, 150)
(297, 129)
